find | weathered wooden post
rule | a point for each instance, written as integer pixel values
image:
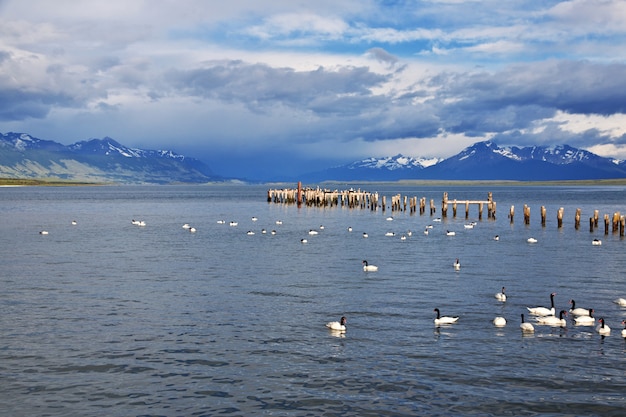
(559, 217)
(577, 219)
(480, 210)
(493, 210)
(606, 224)
(384, 202)
(299, 193)
(444, 205)
(596, 215)
(467, 209)
(591, 224)
(490, 205)
(622, 224)
(433, 210)
(543, 215)
(512, 213)
(454, 208)
(616, 216)
(526, 214)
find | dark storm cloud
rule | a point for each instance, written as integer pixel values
(345, 90)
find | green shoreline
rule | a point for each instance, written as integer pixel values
(619, 181)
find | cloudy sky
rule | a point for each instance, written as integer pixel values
(262, 88)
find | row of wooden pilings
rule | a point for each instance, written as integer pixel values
(614, 223)
(352, 198)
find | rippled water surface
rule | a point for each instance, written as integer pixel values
(108, 318)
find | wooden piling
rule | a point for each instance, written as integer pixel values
(526, 211)
(543, 215)
(577, 218)
(512, 213)
(559, 217)
(622, 225)
(433, 210)
(454, 209)
(444, 205)
(607, 221)
(591, 224)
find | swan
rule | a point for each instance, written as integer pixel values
(403, 237)
(321, 227)
(250, 233)
(365, 235)
(496, 237)
(263, 231)
(192, 230)
(499, 322)
(233, 224)
(602, 328)
(74, 223)
(501, 296)
(620, 302)
(553, 321)
(313, 232)
(531, 240)
(389, 219)
(585, 320)
(596, 242)
(624, 329)
(390, 234)
(279, 222)
(457, 264)
(543, 311)
(369, 268)
(254, 219)
(438, 219)
(526, 327)
(426, 231)
(221, 222)
(444, 319)
(338, 325)
(43, 232)
(349, 229)
(273, 232)
(304, 241)
(449, 233)
(468, 226)
(186, 226)
(409, 233)
(578, 311)
(430, 226)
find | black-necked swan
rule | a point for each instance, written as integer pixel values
(501, 296)
(543, 311)
(369, 268)
(339, 326)
(450, 233)
(526, 327)
(624, 329)
(578, 311)
(585, 320)
(444, 319)
(596, 242)
(365, 235)
(603, 328)
(620, 302)
(531, 240)
(553, 320)
(499, 322)
(74, 223)
(43, 232)
(457, 264)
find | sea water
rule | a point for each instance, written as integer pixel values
(105, 317)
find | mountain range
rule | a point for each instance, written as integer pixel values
(105, 160)
(483, 161)
(96, 160)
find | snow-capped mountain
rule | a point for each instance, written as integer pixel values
(390, 168)
(96, 160)
(483, 161)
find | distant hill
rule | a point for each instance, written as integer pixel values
(483, 161)
(96, 160)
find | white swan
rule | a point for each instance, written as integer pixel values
(338, 326)
(273, 232)
(603, 328)
(496, 237)
(543, 311)
(303, 241)
(553, 320)
(313, 232)
(449, 233)
(499, 322)
(578, 311)
(457, 264)
(501, 296)
(221, 222)
(438, 219)
(624, 329)
(403, 237)
(192, 230)
(526, 327)
(254, 219)
(389, 219)
(585, 320)
(596, 242)
(390, 234)
(250, 233)
(469, 226)
(349, 229)
(444, 319)
(279, 222)
(74, 222)
(426, 231)
(531, 240)
(620, 302)
(43, 232)
(233, 224)
(186, 226)
(365, 235)
(369, 268)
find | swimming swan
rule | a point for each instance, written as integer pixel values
(499, 322)
(553, 321)
(526, 327)
(501, 296)
(578, 311)
(338, 326)
(369, 268)
(585, 320)
(444, 319)
(624, 329)
(620, 302)
(457, 264)
(602, 328)
(543, 311)
(531, 240)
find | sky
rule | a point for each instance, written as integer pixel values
(274, 88)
